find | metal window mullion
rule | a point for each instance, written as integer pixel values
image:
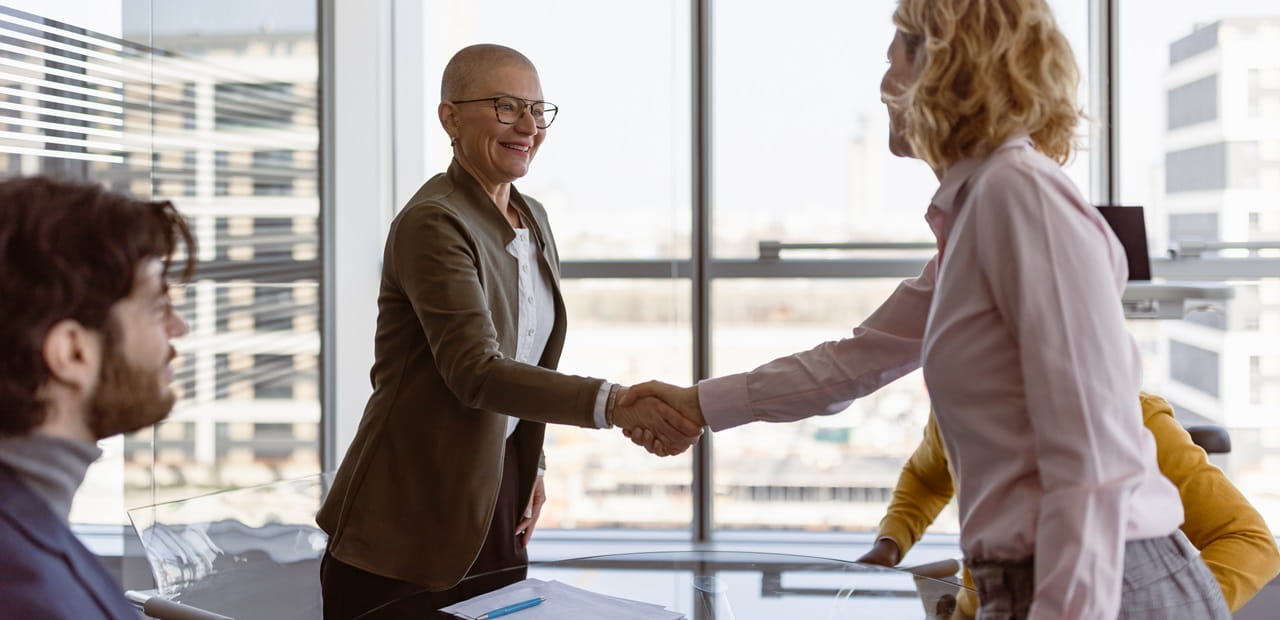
(700, 33)
(325, 35)
(1104, 97)
(655, 269)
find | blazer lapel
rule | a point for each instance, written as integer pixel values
(539, 237)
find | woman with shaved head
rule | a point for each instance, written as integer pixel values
(441, 488)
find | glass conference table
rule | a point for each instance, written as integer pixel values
(254, 553)
(737, 585)
(741, 585)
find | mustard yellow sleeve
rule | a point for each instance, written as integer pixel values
(1232, 537)
(967, 598)
(923, 490)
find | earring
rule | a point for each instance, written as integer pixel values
(453, 140)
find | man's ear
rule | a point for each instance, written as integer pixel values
(73, 354)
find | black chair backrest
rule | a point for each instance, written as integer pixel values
(1213, 438)
(1130, 228)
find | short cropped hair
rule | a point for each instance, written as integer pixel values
(986, 69)
(472, 61)
(69, 251)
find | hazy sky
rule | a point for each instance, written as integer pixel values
(795, 90)
(798, 148)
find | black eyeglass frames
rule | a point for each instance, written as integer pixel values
(509, 110)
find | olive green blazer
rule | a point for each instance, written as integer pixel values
(415, 493)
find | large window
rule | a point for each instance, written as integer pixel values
(800, 137)
(797, 153)
(800, 152)
(211, 105)
(824, 473)
(1199, 138)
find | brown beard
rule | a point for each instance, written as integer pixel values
(128, 398)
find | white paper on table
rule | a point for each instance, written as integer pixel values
(561, 601)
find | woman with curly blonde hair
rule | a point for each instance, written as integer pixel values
(1033, 376)
(1018, 324)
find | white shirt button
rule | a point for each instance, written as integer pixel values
(524, 267)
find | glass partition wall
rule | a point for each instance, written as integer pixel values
(211, 105)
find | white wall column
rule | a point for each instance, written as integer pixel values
(357, 154)
(414, 101)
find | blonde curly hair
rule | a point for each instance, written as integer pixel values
(985, 70)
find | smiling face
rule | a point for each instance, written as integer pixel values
(494, 153)
(899, 75)
(133, 389)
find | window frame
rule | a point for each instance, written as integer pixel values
(701, 269)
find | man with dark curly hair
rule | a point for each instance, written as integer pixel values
(85, 325)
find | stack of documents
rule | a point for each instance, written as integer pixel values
(560, 601)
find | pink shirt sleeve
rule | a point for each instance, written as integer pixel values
(826, 378)
(1055, 277)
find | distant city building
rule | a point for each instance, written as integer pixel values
(220, 118)
(1222, 183)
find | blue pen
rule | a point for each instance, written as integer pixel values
(510, 609)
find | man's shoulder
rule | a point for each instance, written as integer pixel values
(35, 569)
(26, 513)
(17, 545)
(47, 572)
(28, 527)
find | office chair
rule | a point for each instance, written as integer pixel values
(1212, 438)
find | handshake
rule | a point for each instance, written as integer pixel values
(660, 417)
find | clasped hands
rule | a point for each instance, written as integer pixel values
(662, 418)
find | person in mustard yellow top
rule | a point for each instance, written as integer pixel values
(1232, 537)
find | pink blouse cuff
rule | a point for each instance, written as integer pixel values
(724, 401)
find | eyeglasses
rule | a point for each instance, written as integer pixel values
(510, 109)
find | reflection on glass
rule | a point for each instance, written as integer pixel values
(825, 472)
(248, 409)
(1200, 149)
(233, 113)
(711, 598)
(211, 105)
(614, 170)
(260, 543)
(625, 331)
